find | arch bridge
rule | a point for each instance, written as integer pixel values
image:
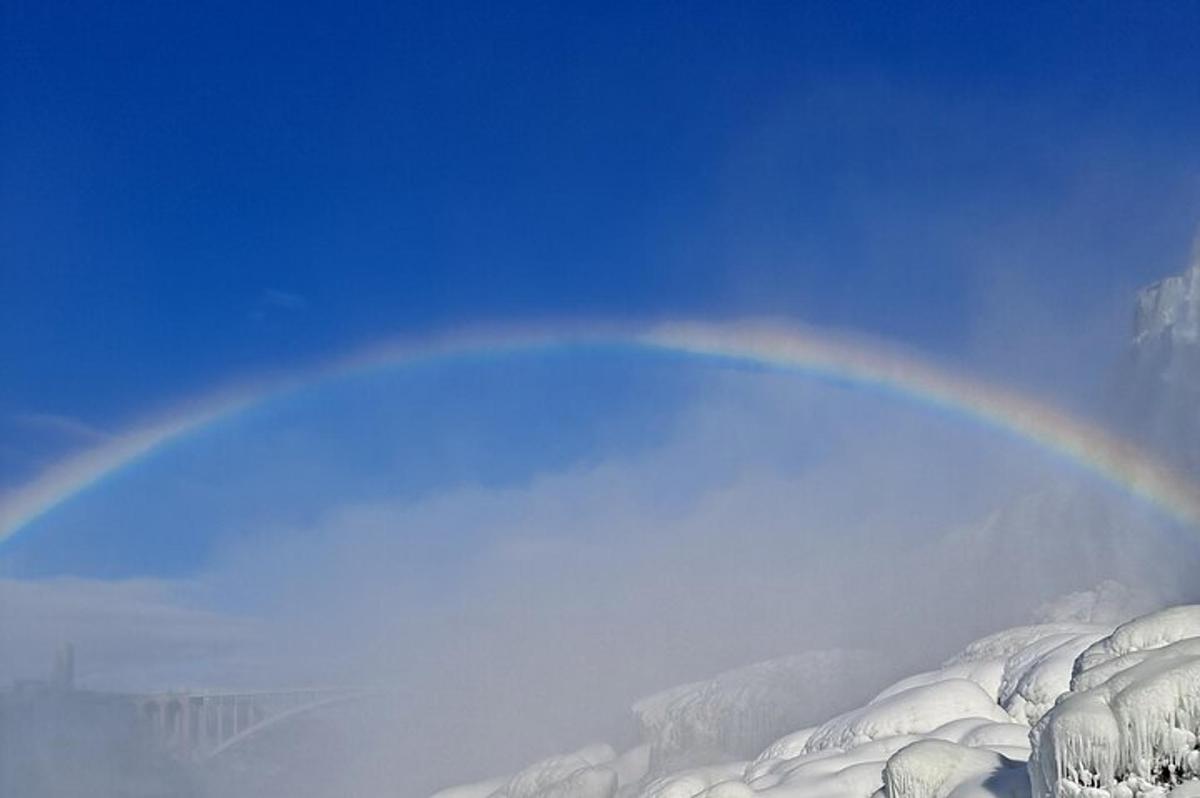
(198, 725)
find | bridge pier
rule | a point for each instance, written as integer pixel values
(198, 726)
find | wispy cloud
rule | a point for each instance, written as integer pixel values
(61, 426)
(275, 298)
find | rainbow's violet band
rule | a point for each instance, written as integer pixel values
(772, 347)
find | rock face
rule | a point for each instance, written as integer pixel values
(1162, 386)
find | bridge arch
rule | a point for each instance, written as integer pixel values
(253, 730)
(200, 726)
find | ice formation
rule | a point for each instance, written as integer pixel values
(737, 713)
(941, 769)
(1163, 368)
(1069, 710)
(917, 710)
(1170, 307)
(1128, 727)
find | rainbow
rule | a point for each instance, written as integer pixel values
(772, 347)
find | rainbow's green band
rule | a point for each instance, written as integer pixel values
(767, 346)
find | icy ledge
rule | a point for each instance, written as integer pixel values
(1128, 727)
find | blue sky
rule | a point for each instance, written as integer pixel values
(192, 192)
(194, 195)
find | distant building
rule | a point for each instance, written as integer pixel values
(58, 741)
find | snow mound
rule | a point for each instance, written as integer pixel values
(858, 770)
(940, 769)
(1147, 632)
(1098, 674)
(1129, 727)
(786, 747)
(987, 673)
(1003, 645)
(692, 782)
(1023, 669)
(1038, 674)
(828, 772)
(918, 710)
(1003, 737)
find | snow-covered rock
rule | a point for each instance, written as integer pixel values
(1129, 727)
(787, 747)
(1037, 675)
(941, 769)
(1013, 641)
(857, 771)
(987, 673)
(1141, 634)
(918, 710)
(1023, 669)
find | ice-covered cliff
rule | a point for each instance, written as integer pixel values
(737, 713)
(1168, 312)
(1162, 380)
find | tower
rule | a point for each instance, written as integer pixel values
(64, 668)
